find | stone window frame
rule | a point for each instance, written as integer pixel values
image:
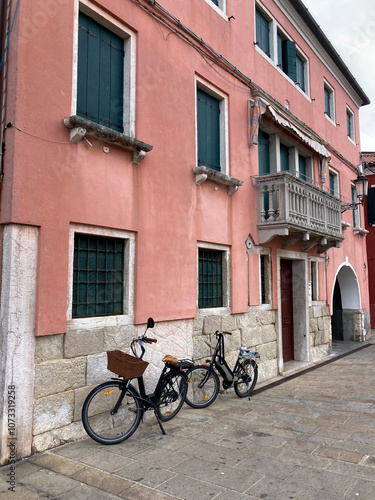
(129, 36)
(210, 89)
(331, 91)
(314, 278)
(276, 28)
(221, 9)
(225, 309)
(267, 252)
(129, 277)
(350, 115)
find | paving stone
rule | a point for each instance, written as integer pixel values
(362, 490)
(103, 480)
(218, 474)
(274, 489)
(183, 487)
(340, 454)
(20, 492)
(328, 482)
(107, 461)
(141, 492)
(161, 458)
(84, 492)
(48, 482)
(56, 463)
(217, 453)
(146, 474)
(267, 466)
(77, 450)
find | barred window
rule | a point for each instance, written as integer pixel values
(210, 278)
(98, 276)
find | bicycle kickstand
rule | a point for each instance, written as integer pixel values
(159, 422)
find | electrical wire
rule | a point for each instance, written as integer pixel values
(10, 32)
(11, 125)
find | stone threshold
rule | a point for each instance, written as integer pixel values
(299, 368)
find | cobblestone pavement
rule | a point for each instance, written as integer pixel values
(312, 437)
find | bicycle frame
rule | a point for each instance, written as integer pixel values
(218, 361)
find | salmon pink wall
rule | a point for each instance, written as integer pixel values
(51, 182)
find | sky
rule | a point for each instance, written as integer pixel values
(350, 27)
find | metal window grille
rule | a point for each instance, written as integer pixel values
(98, 276)
(210, 278)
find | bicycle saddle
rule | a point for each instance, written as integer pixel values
(170, 359)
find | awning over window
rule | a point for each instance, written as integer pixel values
(259, 106)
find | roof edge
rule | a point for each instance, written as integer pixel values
(323, 39)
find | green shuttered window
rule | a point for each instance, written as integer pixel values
(98, 276)
(210, 292)
(208, 124)
(100, 84)
(302, 167)
(262, 32)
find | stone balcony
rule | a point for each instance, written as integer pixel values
(297, 210)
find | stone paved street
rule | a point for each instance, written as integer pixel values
(312, 437)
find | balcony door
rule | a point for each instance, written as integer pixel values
(286, 288)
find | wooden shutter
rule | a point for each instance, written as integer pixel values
(100, 74)
(302, 167)
(371, 205)
(208, 122)
(290, 59)
(262, 32)
(263, 153)
(284, 157)
(327, 102)
(300, 68)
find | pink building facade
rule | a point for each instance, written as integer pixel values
(181, 160)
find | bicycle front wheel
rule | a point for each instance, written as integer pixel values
(203, 386)
(172, 396)
(111, 413)
(247, 378)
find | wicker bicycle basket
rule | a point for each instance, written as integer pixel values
(125, 365)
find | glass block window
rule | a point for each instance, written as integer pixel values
(98, 276)
(210, 278)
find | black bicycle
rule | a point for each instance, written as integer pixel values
(113, 410)
(204, 385)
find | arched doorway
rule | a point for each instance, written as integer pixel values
(346, 319)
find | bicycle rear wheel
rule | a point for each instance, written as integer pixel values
(247, 378)
(100, 420)
(203, 386)
(172, 396)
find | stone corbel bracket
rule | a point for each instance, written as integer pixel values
(80, 128)
(202, 173)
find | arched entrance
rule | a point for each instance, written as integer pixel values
(346, 319)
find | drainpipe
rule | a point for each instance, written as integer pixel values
(5, 24)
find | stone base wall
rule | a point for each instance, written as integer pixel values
(320, 331)
(68, 366)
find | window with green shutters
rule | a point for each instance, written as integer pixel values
(333, 184)
(100, 79)
(208, 130)
(262, 32)
(300, 72)
(284, 157)
(210, 278)
(302, 167)
(327, 102)
(98, 276)
(350, 123)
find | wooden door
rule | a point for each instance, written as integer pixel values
(286, 285)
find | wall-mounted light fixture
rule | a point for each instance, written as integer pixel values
(361, 187)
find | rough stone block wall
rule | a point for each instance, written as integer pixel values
(254, 329)
(320, 331)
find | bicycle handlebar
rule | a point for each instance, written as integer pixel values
(150, 341)
(222, 333)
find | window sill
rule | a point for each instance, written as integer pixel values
(345, 225)
(203, 173)
(99, 321)
(360, 231)
(213, 311)
(81, 127)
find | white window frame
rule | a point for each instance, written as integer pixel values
(129, 36)
(314, 279)
(336, 182)
(351, 113)
(224, 130)
(331, 91)
(129, 267)
(263, 252)
(225, 309)
(220, 9)
(273, 57)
